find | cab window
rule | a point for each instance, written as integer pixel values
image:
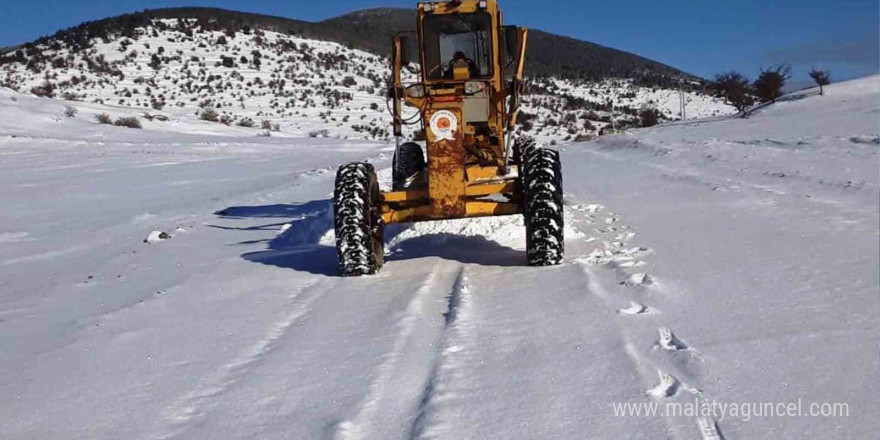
(458, 39)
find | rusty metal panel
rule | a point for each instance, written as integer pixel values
(446, 160)
(475, 173)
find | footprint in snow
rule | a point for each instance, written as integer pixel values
(638, 279)
(668, 340)
(159, 236)
(156, 237)
(636, 309)
(666, 388)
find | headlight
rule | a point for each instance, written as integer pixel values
(415, 91)
(472, 87)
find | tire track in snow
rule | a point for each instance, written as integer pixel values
(458, 305)
(391, 404)
(192, 406)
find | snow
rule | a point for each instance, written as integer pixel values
(759, 236)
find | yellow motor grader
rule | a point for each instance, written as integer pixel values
(470, 76)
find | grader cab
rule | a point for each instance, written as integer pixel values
(469, 70)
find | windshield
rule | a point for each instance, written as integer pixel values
(458, 39)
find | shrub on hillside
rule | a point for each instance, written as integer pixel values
(47, 89)
(103, 118)
(649, 117)
(155, 62)
(129, 121)
(268, 125)
(69, 111)
(151, 117)
(246, 122)
(209, 115)
(349, 82)
(589, 125)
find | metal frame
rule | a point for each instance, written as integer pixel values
(459, 185)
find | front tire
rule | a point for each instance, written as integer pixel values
(409, 160)
(541, 171)
(357, 219)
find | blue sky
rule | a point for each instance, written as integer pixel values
(702, 37)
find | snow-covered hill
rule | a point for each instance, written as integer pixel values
(177, 70)
(733, 261)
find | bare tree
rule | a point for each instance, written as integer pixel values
(822, 78)
(734, 88)
(768, 86)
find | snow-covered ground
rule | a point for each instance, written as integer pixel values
(730, 260)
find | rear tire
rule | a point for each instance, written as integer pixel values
(358, 220)
(409, 160)
(521, 145)
(541, 174)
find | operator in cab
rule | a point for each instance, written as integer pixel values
(461, 61)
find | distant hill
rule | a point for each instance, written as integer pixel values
(547, 54)
(250, 72)
(371, 30)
